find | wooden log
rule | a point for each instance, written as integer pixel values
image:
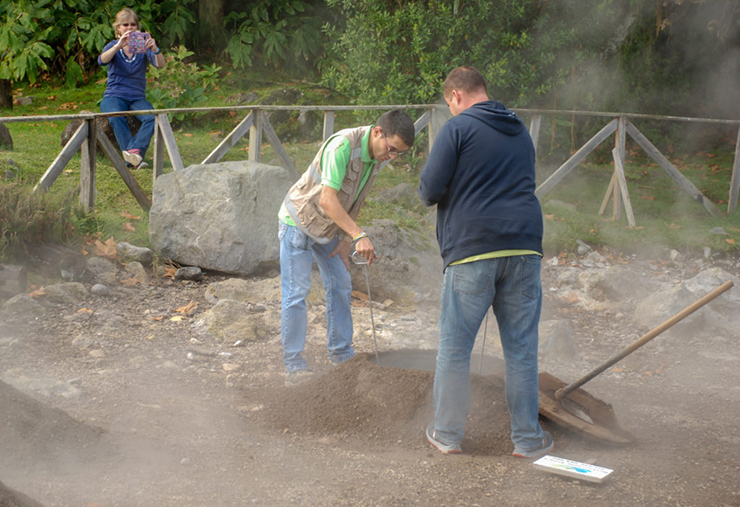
(13, 280)
(328, 125)
(534, 129)
(620, 144)
(608, 195)
(622, 183)
(88, 158)
(169, 141)
(674, 173)
(158, 158)
(255, 137)
(735, 181)
(230, 140)
(422, 122)
(278, 146)
(56, 167)
(118, 163)
(577, 158)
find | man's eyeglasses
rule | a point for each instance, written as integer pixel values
(392, 150)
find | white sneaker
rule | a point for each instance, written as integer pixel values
(132, 158)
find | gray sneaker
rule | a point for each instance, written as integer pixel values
(441, 446)
(132, 157)
(546, 446)
(296, 377)
(143, 165)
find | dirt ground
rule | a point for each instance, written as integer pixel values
(119, 405)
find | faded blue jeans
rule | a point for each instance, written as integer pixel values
(120, 124)
(297, 253)
(512, 286)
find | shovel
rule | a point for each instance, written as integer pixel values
(576, 409)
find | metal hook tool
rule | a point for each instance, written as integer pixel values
(358, 259)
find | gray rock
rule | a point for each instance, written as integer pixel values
(129, 252)
(25, 101)
(583, 248)
(100, 290)
(6, 140)
(189, 273)
(70, 292)
(220, 217)
(103, 270)
(137, 272)
(21, 308)
(719, 231)
(231, 320)
(244, 291)
(9, 168)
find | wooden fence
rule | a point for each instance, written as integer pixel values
(256, 124)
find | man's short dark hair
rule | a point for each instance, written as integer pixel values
(466, 79)
(398, 122)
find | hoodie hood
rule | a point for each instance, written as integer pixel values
(497, 116)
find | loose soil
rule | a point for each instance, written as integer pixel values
(116, 404)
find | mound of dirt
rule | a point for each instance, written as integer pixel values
(359, 400)
(33, 431)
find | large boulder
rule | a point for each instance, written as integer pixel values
(220, 217)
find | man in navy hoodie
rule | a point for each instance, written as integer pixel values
(481, 176)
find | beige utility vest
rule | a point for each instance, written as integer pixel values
(302, 200)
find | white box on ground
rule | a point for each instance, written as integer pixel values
(562, 466)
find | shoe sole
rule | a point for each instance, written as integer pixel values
(539, 455)
(443, 450)
(132, 158)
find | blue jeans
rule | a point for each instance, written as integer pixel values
(297, 253)
(512, 286)
(120, 124)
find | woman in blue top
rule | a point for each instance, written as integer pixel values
(126, 88)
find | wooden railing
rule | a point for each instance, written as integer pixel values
(255, 124)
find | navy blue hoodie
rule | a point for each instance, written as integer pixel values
(481, 176)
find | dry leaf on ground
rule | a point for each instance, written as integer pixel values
(169, 272)
(38, 292)
(188, 308)
(107, 249)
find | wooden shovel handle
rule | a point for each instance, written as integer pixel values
(560, 393)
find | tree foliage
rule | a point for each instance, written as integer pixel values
(607, 54)
(64, 37)
(278, 33)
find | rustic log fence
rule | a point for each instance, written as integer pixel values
(255, 124)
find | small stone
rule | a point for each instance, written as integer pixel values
(707, 252)
(553, 262)
(192, 273)
(719, 231)
(230, 366)
(129, 252)
(185, 462)
(100, 290)
(583, 248)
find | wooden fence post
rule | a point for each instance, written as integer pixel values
(621, 185)
(163, 124)
(158, 157)
(735, 181)
(88, 156)
(115, 158)
(577, 158)
(69, 150)
(328, 125)
(534, 129)
(255, 137)
(234, 136)
(669, 168)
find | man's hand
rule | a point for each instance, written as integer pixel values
(365, 247)
(343, 249)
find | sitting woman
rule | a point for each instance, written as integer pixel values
(127, 62)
